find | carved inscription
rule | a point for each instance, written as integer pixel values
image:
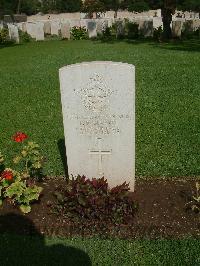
(98, 127)
(95, 95)
(95, 99)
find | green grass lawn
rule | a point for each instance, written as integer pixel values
(19, 250)
(168, 97)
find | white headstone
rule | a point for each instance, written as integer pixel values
(65, 30)
(92, 28)
(75, 23)
(39, 31)
(55, 27)
(157, 22)
(13, 32)
(31, 29)
(196, 24)
(120, 28)
(177, 28)
(102, 24)
(146, 28)
(98, 104)
(83, 23)
(47, 28)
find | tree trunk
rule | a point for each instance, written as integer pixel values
(167, 19)
(18, 6)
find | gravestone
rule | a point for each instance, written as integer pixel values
(196, 24)
(102, 24)
(120, 28)
(55, 27)
(98, 104)
(31, 29)
(24, 27)
(146, 28)
(65, 30)
(177, 28)
(75, 23)
(157, 22)
(13, 32)
(92, 28)
(39, 31)
(47, 28)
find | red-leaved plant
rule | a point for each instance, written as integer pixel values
(91, 202)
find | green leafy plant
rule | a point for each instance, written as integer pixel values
(79, 33)
(157, 34)
(87, 202)
(194, 203)
(131, 29)
(4, 36)
(19, 186)
(24, 36)
(106, 34)
(29, 159)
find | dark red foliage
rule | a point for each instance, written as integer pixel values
(92, 201)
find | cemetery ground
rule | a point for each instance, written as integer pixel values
(167, 151)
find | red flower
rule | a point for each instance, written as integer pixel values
(19, 137)
(8, 175)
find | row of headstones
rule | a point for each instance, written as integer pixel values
(179, 25)
(38, 30)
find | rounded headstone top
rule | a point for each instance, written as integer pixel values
(106, 63)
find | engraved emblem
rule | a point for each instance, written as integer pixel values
(95, 95)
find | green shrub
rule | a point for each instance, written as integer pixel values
(131, 29)
(91, 202)
(4, 36)
(106, 34)
(157, 34)
(24, 36)
(187, 32)
(194, 201)
(19, 186)
(79, 33)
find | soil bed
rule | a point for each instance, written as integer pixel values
(161, 213)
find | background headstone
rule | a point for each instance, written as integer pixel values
(120, 28)
(146, 28)
(47, 28)
(177, 28)
(31, 29)
(39, 31)
(75, 23)
(98, 104)
(157, 22)
(13, 32)
(92, 28)
(55, 27)
(102, 24)
(65, 30)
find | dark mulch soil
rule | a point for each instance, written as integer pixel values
(161, 213)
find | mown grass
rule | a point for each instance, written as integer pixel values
(168, 96)
(23, 250)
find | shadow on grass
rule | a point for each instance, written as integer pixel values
(62, 150)
(8, 45)
(22, 244)
(124, 40)
(192, 45)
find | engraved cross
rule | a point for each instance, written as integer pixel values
(100, 153)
